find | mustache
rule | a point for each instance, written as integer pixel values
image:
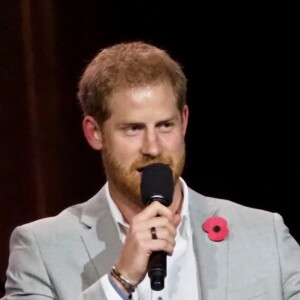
(140, 164)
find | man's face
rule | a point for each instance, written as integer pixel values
(145, 127)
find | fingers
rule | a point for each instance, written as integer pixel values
(157, 222)
(153, 210)
(159, 217)
(155, 215)
(165, 241)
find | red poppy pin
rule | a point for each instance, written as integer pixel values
(216, 227)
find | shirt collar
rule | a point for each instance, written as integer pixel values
(185, 226)
(122, 226)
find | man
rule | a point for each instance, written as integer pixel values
(133, 96)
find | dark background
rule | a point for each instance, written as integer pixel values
(243, 89)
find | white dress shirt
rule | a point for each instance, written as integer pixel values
(181, 281)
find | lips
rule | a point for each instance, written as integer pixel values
(141, 168)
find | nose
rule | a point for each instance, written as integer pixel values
(151, 145)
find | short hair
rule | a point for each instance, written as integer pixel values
(127, 65)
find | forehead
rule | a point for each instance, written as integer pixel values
(152, 97)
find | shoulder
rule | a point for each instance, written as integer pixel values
(223, 203)
(233, 211)
(66, 224)
(245, 223)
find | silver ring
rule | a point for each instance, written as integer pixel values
(153, 233)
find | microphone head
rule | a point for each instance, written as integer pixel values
(157, 184)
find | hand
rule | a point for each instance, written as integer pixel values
(133, 259)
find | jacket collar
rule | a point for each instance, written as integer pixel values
(101, 240)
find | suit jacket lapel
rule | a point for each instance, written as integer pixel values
(102, 239)
(212, 257)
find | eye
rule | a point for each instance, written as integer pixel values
(166, 126)
(132, 130)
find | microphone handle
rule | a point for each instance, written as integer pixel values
(157, 267)
(157, 264)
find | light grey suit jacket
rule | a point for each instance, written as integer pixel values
(63, 257)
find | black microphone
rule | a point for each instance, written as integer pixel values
(157, 185)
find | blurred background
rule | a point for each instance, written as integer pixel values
(243, 89)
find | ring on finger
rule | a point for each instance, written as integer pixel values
(153, 233)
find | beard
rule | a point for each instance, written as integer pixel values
(127, 180)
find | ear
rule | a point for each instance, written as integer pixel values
(185, 118)
(92, 132)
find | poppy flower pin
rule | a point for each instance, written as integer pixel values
(216, 227)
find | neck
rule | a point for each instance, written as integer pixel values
(176, 204)
(130, 209)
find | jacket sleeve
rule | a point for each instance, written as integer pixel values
(289, 256)
(27, 276)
